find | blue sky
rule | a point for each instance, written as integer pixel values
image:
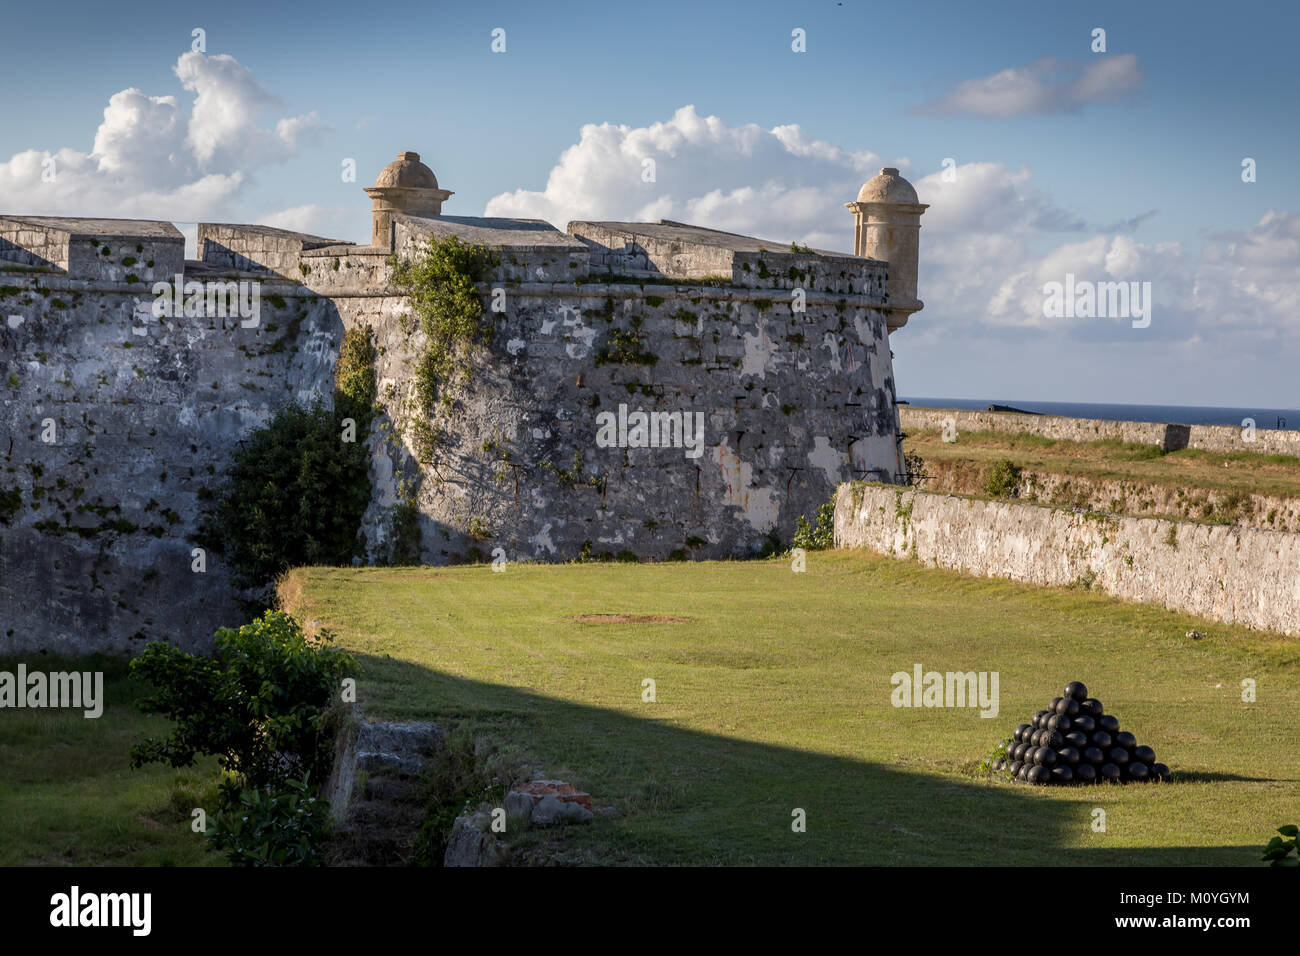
(1211, 87)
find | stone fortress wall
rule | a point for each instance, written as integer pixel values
(117, 425)
(1166, 436)
(1227, 573)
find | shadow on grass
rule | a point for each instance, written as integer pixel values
(681, 796)
(1210, 776)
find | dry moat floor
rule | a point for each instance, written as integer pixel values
(772, 692)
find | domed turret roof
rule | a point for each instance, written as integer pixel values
(887, 186)
(408, 171)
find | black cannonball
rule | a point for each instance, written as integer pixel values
(1091, 707)
(1125, 739)
(1076, 740)
(1099, 738)
(1015, 766)
(1160, 772)
(1085, 773)
(1045, 757)
(1054, 739)
(1068, 706)
(1056, 702)
(1117, 755)
(1040, 774)
(1022, 731)
(1094, 755)
(1076, 690)
(1137, 770)
(1109, 772)
(1058, 722)
(1041, 716)
(1145, 754)
(1023, 772)
(1108, 723)
(1062, 774)
(1068, 756)
(1083, 723)
(997, 764)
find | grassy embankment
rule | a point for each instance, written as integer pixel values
(773, 693)
(1119, 477)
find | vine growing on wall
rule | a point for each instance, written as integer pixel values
(441, 285)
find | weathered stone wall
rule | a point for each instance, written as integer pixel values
(1227, 573)
(1170, 437)
(114, 428)
(791, 404)
(117, 426)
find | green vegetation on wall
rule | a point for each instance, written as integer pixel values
(441, 284)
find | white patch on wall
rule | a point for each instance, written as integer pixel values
(875, 454)
(384, 488)
(581, 337)
(15, 321)
(542, 540)
(863, 327)
(515, 346)
(760, 352)
(828, 459)
(758, 504)
(831, 342)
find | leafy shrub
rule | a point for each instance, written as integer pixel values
(1004, 480)
(261, 703)
(915, 466)
(294, 494)
(265, 827)
(1279, 851)
(354, 378)
(817, 537)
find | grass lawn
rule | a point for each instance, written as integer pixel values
(68, 794)
(1189, 468)
(773, 693)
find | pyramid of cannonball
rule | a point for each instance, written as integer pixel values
(1076, 741)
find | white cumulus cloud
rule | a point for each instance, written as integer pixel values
(776, 183)
(150, 159)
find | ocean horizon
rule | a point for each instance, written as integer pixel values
(1264, 417)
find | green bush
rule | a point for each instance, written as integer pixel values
(817, 537)
(261, 704)
(441, 285)
(355, 390)
(915, 467)
(1283, 852)
(294, 495)
(262, 827)
(1004, 480)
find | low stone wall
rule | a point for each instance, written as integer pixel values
(1226, 573)
(1168, 436)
